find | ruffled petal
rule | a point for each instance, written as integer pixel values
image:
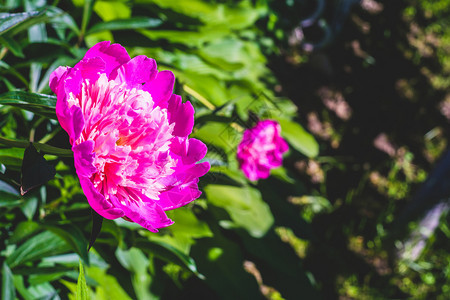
(161, 88)
(179, 195)
(196, 151)
(55, 78)
(113, 55)
(138, 70)
(182, 114)
(83, 157)
(71, 119)
(148, 214)
(91, 68)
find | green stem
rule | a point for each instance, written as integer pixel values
(39, 146)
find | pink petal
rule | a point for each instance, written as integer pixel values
(90, 68)
(179, 196)
(84, 158)
(138, 70)
(147, 214)
(182, 114)
(113, 55)
(196, 151)
(161, 88)
(55, 77)
(71, 119)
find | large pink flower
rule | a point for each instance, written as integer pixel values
(261, 149)
(129, 135)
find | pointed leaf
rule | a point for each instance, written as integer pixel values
(73, 237)
(97, 222)
(82, 291)
(35, 170)
(9, 21)
(41, 104)
(169, 253)
(8, 290)
(41, 245)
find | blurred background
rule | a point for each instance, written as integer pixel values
(359, 209)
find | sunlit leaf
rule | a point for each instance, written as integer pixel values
(8, 289)
(82, 291)
(122, 24)
(299, 138)
(168, 253)
(37, 103)
(9, 21)
(244, 205)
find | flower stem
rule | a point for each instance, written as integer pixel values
(39, 146)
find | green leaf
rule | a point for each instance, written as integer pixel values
(41, 245)
(82, 291)
(168, 253)
(9, 21)
(122, 24)
(244, 205)
(12, 45)
(181, 234)
(11, 157)
(74, 238)
(112, 10)
(37, 103)
(8, 290)
(136, 262)
(9, 196)
(298, 137)
(108, 287)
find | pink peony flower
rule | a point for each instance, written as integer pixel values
(261, 149)
(129, 135)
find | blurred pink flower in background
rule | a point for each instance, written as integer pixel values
(129, 135)
(261, 149)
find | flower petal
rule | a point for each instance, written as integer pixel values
(148, 214)
(179, 195)
(138, 70)
(113, 55)
(161, 88)
(83, 157)
(182, 114)
(55, 78)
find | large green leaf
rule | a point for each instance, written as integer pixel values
(168, 253)
(122, 24)
(137, 263)
(74, 238)
(82, 290)
(37, 247)
(38, 103)
(8, 290)
(181, 234)
(210, 13)
(9, 196)
(10, 21)
(298, 137)
(244, 205)
(107, 287)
